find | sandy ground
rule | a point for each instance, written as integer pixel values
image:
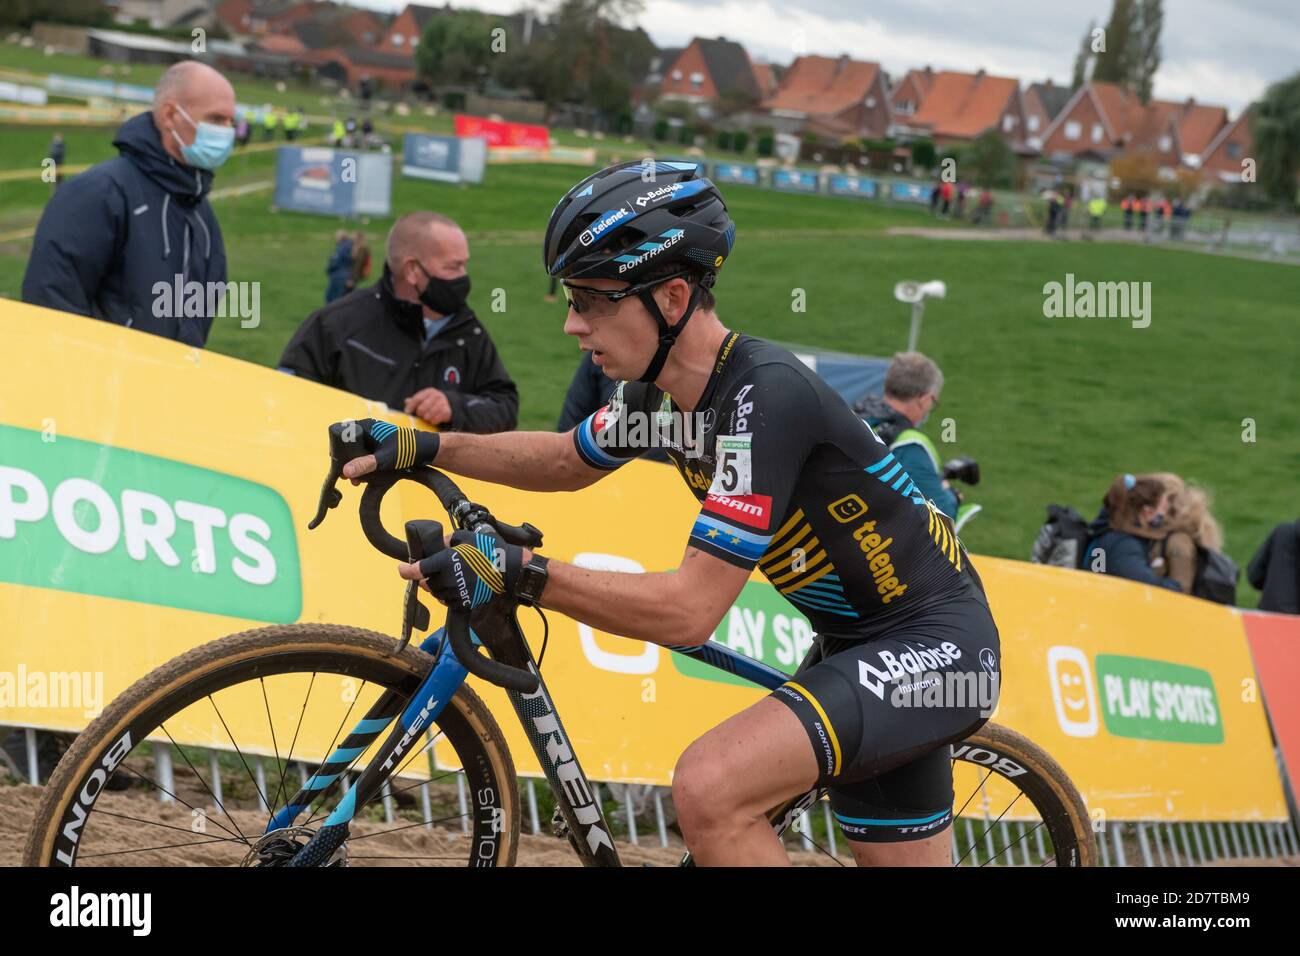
(413, 846)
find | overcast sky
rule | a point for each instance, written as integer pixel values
(1219, 52)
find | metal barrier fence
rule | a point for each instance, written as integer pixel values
(976, 841)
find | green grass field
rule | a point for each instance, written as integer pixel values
(1053, 409)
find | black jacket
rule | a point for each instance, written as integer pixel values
(109, 235)
(588, 392)
(1275, 570)
(371, 343)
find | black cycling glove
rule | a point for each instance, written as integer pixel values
(477, 568)
(395, 448)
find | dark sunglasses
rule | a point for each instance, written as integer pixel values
(580, 297)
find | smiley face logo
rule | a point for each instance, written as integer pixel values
(1072, 691)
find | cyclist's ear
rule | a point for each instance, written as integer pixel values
(672, 297)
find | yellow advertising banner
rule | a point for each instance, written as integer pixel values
(154, 497)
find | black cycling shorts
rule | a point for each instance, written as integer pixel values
(881, 715)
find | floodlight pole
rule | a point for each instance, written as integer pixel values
(917, 309)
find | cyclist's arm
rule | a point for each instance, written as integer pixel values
(530, 461)
(663, 607)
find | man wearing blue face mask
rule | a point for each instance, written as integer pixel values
(912, 386)
(127, 240)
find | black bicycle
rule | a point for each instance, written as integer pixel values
(1021, 808)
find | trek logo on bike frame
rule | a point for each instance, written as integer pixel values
(547, 737)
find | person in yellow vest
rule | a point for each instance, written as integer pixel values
(292, 120)
(912, 385)
(337, 133)
(270, 119)
(1096, 209)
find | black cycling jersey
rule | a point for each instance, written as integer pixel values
(791, 480)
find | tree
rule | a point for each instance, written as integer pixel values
(1275, 129)
(923, 156)
(1132, 48)
(456, 48)
(1146, 54)
(1083, 60)
(1138, 171)
(989, 161)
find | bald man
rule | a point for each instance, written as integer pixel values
(411, 340)
(125, 240)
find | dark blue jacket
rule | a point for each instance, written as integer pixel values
(108, 236)
(1126, 555)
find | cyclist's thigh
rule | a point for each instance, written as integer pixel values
(880, 716)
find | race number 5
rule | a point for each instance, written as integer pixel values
(734, 472)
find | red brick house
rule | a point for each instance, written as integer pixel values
(959, 107)
(905, 98)
(709, 72)
(403, 34)
(1043, 101)
(1222, 157)
(835, 99)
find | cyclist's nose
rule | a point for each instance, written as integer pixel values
(575, 324)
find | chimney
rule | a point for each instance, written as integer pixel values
(979, 74)
(1049, 82)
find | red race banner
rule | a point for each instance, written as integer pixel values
(500, 133)
(1275, 644)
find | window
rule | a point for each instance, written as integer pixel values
(398, 39)
(1234, 150)
(677, 74)
(1008, 123)
(1165, 143)
(1097, 132)
(871, 102)
(697, 80)
(415, 41)
(1073, 130)
(1033, 124)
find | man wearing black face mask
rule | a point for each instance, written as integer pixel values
(411, 341)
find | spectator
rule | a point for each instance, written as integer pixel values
(1096, 209)
(946, 194)
(57, 154)
(338, 133)
(109, 235)
(935, 192)
(243, 131)
(339, 267)
(360, 261)
(912, 386)
(1063, 218)
(1275, 570)
(270, 119)
(588, 392)
(983, 207)
(1126, 530)
(961, 201)
(292, 120)
(1053, 211)
(1128, 204)
(410, 340)
(1189, 526)
(1143, 209)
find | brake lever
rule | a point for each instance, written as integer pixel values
(330, 496)
(423, 538)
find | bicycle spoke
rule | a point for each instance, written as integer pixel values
(169, 826)
(405, 826)
(989, 829)
(158, 786)
(219, 804)
(1012, 845)
(275, 747)
(251, 778)
(288, 760)
(169, 846)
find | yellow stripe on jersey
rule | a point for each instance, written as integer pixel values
(821, 712)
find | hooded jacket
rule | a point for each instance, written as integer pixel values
(1126, 555)
(888, 423)
(371, 343)
(110, 236)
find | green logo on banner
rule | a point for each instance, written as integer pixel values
(762, 625)
(1157, 700)
(93, 519)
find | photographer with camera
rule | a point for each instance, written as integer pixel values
(912, 386)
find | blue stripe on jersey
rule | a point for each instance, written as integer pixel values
(901, 478)
(887, 476)
(819, 606)
(591, 452)
(868, 821)
(743, 544)
(872, 469)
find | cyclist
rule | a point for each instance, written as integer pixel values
(788, 479)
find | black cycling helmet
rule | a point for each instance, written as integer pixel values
(617, 225)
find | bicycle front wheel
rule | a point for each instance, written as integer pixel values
(269, 705)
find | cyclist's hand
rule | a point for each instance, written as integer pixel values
(474, 569)
(393, 448)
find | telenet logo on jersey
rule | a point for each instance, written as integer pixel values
(93, 519)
